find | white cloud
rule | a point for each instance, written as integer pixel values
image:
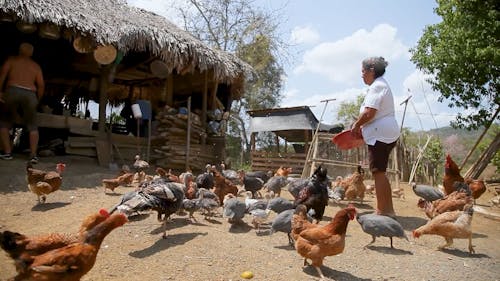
(340, 61)
(304, 35)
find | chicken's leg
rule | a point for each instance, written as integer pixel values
(471, 248)
(321, 276)
(449, 242)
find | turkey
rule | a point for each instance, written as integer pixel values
(252, 184)
(206, 179)
(159, 195)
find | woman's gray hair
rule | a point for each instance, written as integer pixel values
(378, 64)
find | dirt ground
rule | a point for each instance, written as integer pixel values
(212, 250)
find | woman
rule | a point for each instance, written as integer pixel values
(379, 128)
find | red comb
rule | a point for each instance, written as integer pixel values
(104, 213)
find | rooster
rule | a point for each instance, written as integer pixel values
(319, 242)
(315, 194)
(163, 196)
(456, 224)
(44, 182)
(72, 261)
(20, 246)
(451, 175)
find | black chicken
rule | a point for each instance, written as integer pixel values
(252, 184)
(315, 194)
(159, 195)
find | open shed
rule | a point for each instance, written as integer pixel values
(295, 125)
(112, 53)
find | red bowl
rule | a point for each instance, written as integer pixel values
(347, 140)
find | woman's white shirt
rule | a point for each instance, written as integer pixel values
(383, 127)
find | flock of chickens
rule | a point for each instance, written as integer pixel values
(70, 256)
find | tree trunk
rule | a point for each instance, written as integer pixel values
(478, 167)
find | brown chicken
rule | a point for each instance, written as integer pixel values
(452, 202)
(284, 172)
(456, 224)
(355, 186)
(73, 261)
(22, 248)
(223, 186)
(477, 187)
(451, 175)
(300, 221)
(124, 179)
(44, 182)
(319, 242)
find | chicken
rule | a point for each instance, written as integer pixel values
(427, 192)
(283, 223)
(454, 201)
(477, 187)
(264, 176)
(163, 196)
(73, 261)
(275, 184)
(300, 221)
(233, 209)
(451, 175)
(114, 183)
(252, 184)
(316, 243)
(296, 185)
(315, 194)
(223, 186)
(456, 224)
(229, 174)
(162, 173)
(44, 182)
(283, 172)
(20, 246)
(259, 216)
(377, 225)
(356, 188)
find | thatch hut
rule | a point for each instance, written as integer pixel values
(107, 51)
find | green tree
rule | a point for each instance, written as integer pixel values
(462, 54)
(349, 110)
(239, 27)
(433, 156)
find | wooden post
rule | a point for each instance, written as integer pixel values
(204, 106)
(103, 99)
(479, 139)
(214, 95)
(252, 142)
(277, 140)
(188, 138)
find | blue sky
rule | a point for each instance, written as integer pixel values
(330, 38)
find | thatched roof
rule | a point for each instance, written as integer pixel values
(130, 29)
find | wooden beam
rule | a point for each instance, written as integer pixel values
(214, 95)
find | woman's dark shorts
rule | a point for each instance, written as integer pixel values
(378, 155)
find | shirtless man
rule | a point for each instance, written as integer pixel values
(21, 87)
